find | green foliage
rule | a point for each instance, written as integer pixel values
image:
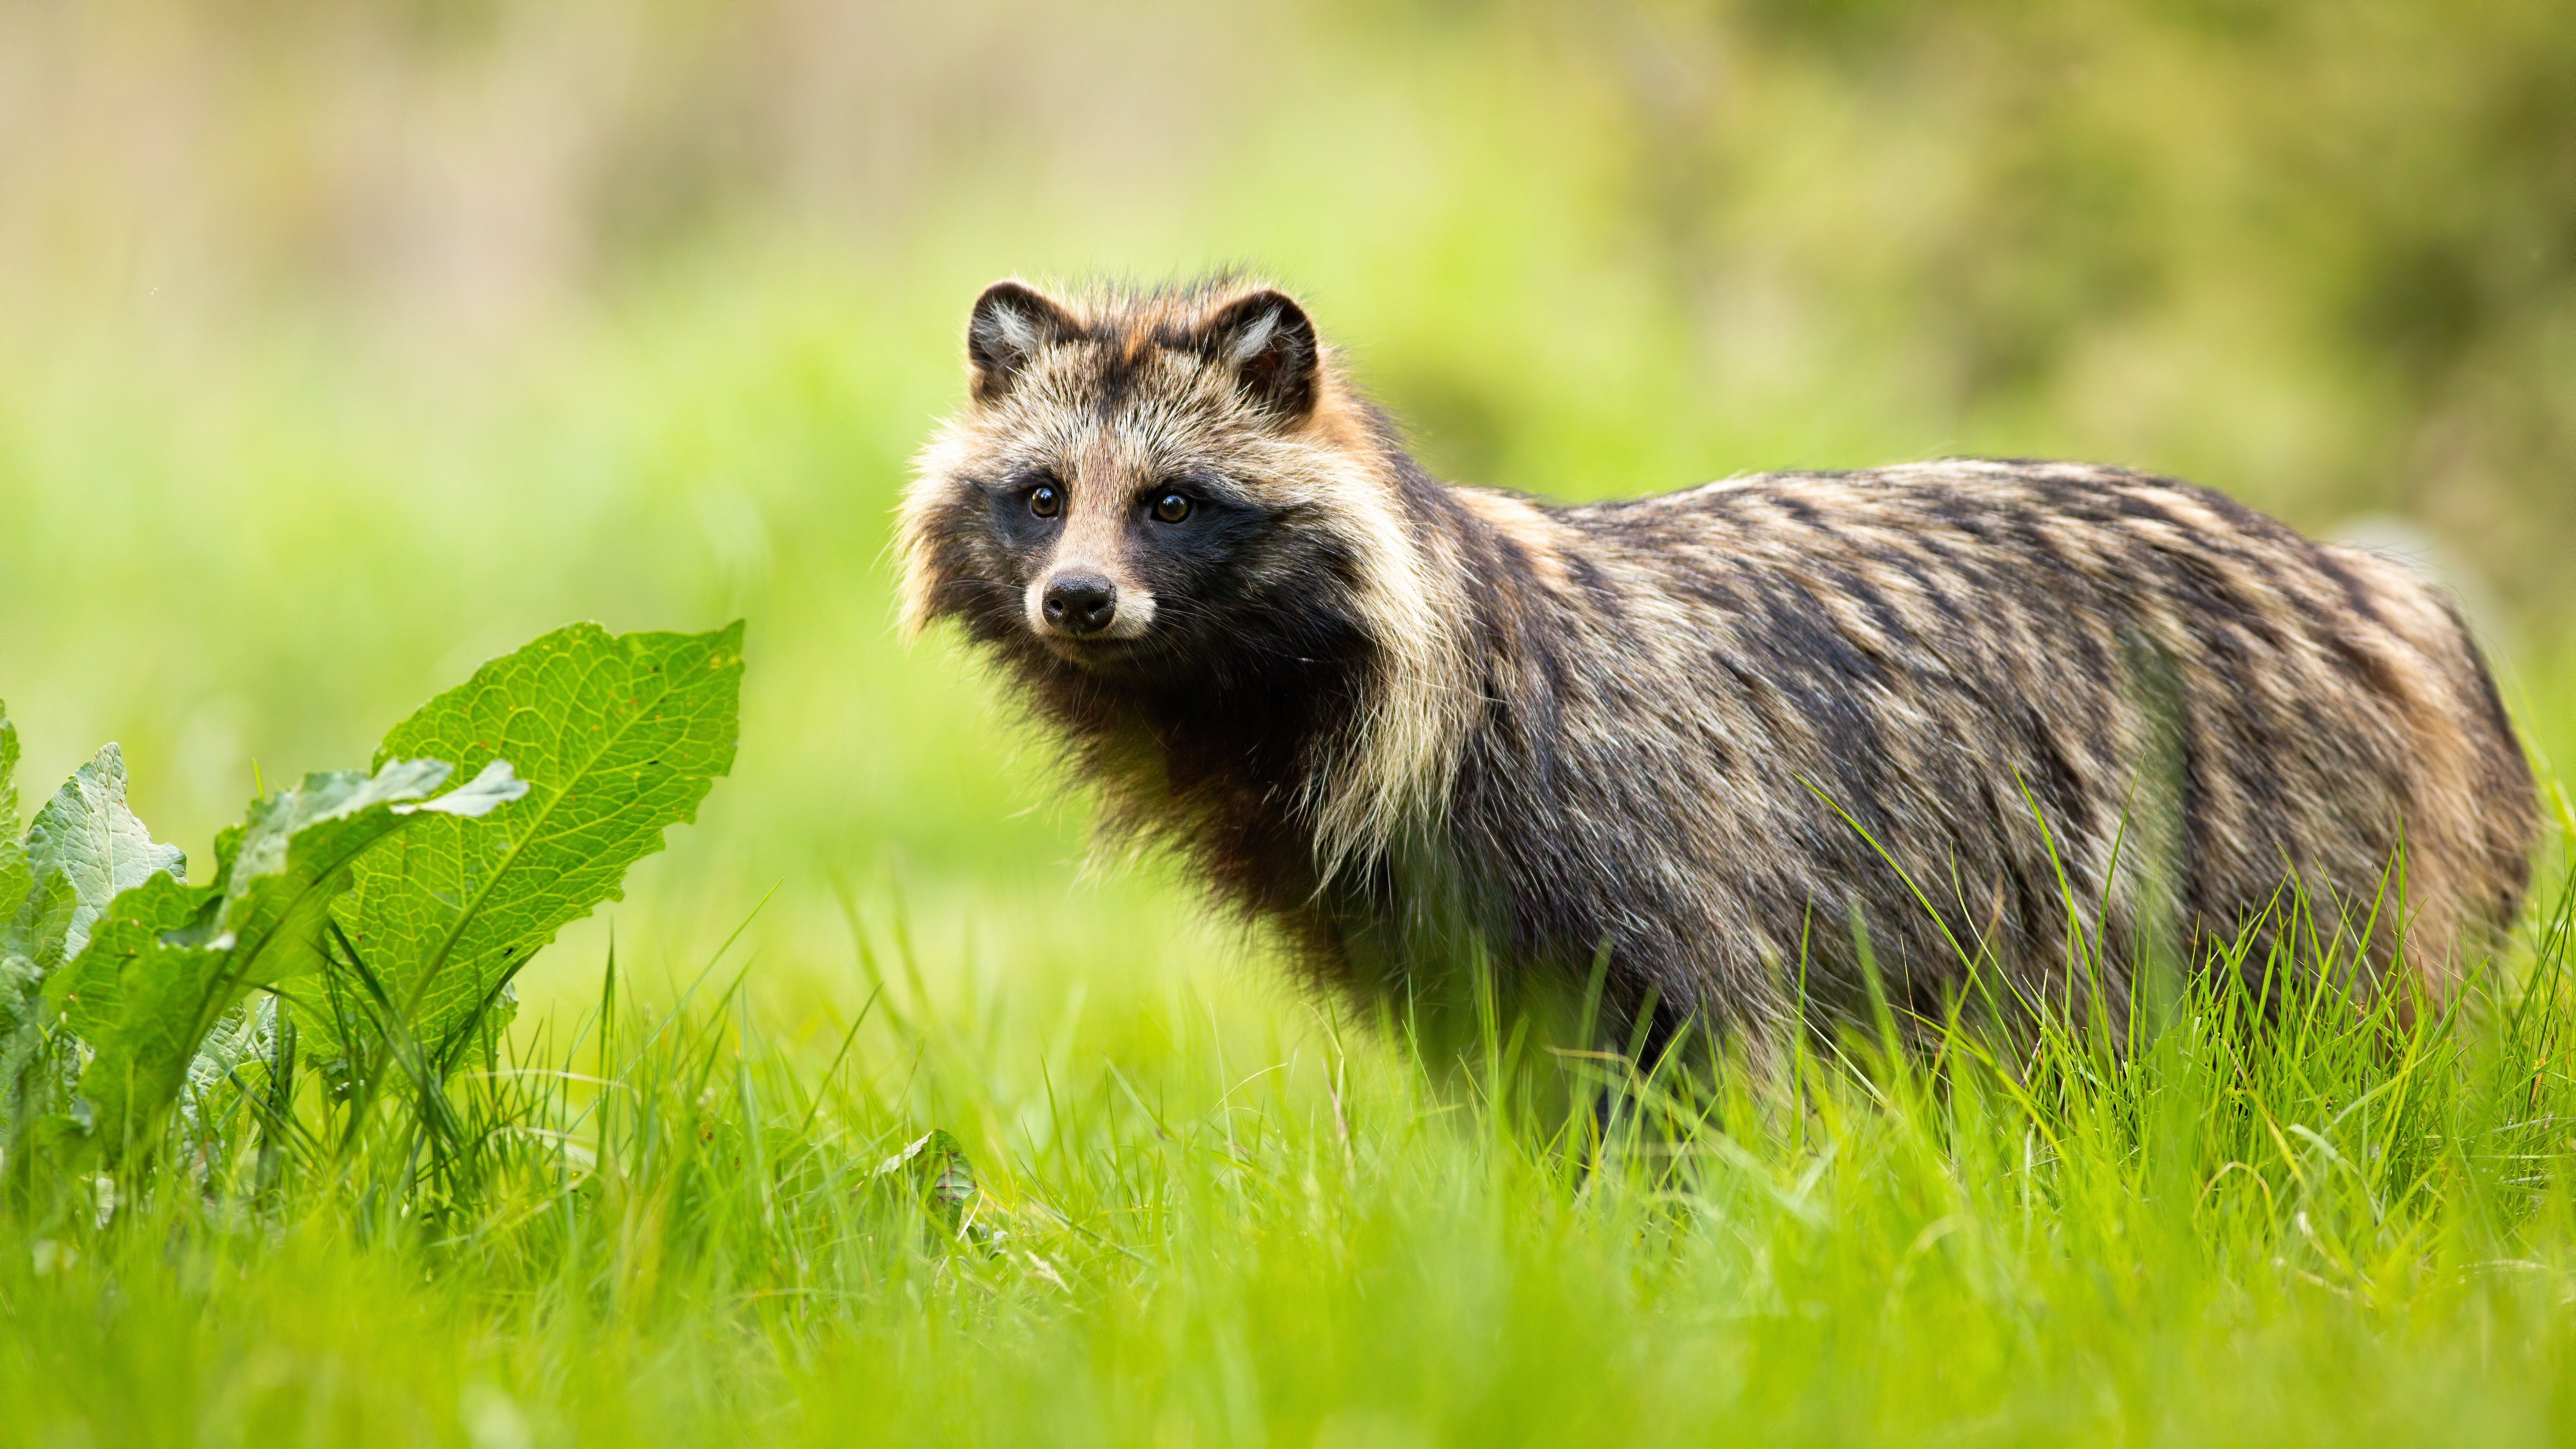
(120, 973)
(932, 1170)
(82, 851)
(13, 851)
(143, 996)
(20, 1035)
(617, 739)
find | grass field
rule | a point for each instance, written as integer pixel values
(1198, 1223)
(275, 466)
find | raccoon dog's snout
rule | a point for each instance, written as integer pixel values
(1078, 603)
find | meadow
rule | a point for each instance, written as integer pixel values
(258, 500)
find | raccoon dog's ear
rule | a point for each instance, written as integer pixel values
(1267, 341)
(1012, 321)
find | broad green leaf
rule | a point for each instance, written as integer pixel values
(173, 960)
(141, 1001)
(936, 1167)
(296, 846)
(21, 1038)
(13, 849)
(84, 849)
(238, 1045)
(618, 737)
(933, 1171)
(18, 980)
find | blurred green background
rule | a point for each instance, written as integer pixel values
(342, 347)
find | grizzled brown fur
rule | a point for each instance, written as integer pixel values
(1959, 709)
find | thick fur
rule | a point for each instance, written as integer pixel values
(1742, 738)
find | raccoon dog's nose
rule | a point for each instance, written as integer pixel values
(1080, 603)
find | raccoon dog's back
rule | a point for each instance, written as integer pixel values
(2018, 714)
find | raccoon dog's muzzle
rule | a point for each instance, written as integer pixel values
(1079, 604)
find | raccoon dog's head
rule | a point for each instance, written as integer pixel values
(1176, 493)
(1149, 486)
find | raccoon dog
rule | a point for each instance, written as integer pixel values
(1746, 743)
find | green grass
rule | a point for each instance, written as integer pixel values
(1202, 1223)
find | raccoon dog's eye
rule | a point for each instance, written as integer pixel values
(1171, 508)
(1045, 501)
